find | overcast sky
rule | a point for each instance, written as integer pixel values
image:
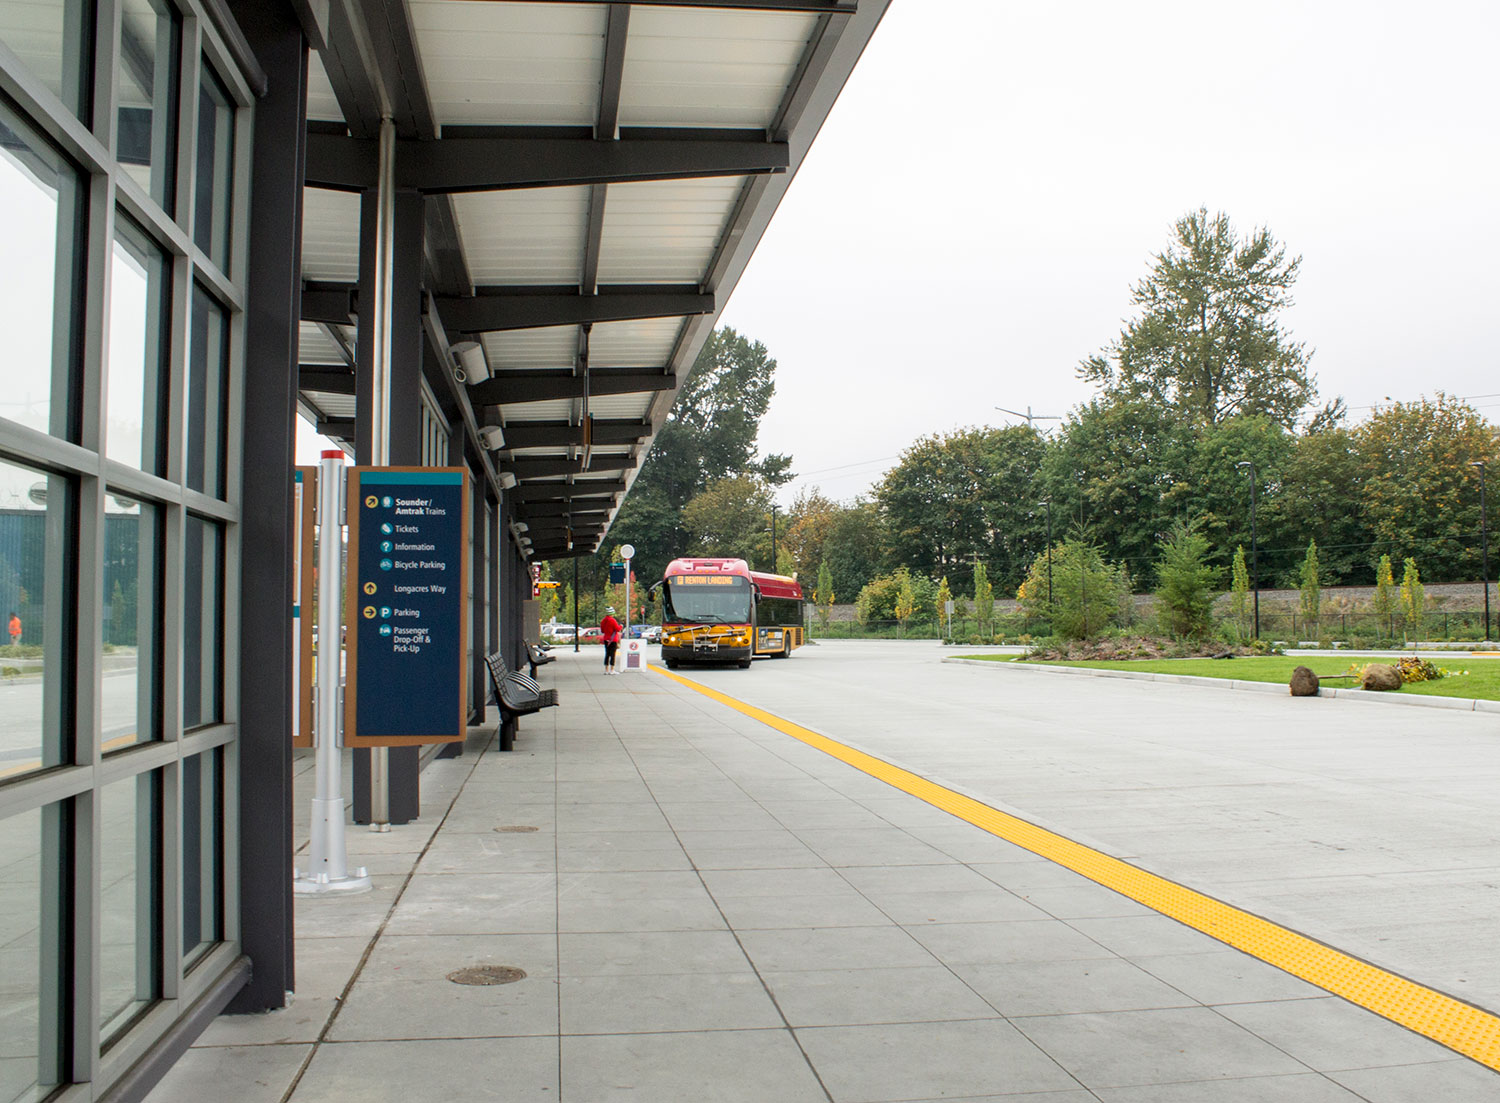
(994, 178)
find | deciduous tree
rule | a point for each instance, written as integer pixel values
(1208, 344)
(729, 518)
(1419, 492)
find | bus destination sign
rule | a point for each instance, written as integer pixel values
(407, 681)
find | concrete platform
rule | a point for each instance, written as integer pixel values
(710, 910)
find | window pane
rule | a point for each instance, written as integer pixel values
(202, 848)
(130, 924)
(215, 194)
(131, 634)
(32, 864)
(207, 395)
(137, 383)
(39, 222)
(34, 580)
(203, 624)
(146, 96)
(36, 30)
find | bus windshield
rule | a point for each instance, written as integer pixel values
(706, 599)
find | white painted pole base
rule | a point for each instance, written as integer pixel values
(327, 857)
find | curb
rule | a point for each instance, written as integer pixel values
(1458, 704)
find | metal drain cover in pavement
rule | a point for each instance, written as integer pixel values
(487, 974)
(515, 828)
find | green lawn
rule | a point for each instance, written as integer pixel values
(1482, 682)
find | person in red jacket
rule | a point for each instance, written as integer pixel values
(612, 631)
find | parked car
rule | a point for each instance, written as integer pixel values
(651, 633)
(559, 633)
(591, 635)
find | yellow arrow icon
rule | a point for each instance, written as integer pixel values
(370, 587)
(369, 612)
(371, 502)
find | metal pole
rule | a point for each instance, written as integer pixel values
(380, 394)
(328, 855)
(1484, 543)
(575, 604)
(773, 539)
(1254, 554)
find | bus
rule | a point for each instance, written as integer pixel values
(719, 610)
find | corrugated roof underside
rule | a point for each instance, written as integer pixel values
(511, 64)
(531, 349)
(524, 237)
(704, 67)
(330, 235)
(640, 344)
(664, 232)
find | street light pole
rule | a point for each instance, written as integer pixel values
(1254, 549)
(1484, 544)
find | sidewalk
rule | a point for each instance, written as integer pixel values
(709, 911)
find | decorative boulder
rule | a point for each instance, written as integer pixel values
(1381, 676)
(1304, 683)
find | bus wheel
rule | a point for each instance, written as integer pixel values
(671, 664)
(744, 664)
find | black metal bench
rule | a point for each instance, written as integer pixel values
(516, 695)
(537, 655)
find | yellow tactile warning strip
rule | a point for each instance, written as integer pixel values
(1459, 1026)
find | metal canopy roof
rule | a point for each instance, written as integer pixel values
(596, 177)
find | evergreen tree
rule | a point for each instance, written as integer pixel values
(1240, 589)
(1185, 583)
(1413, 599)
(823, 594)
(944, 595)
(1385, 595)
(1312, 592)
(984, 599)
(1088, 594)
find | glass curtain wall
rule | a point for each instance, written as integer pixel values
(122, 150)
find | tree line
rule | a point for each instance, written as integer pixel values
(1202, 399)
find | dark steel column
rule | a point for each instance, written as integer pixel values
(483, 596)
(272, 310)
(405, 432)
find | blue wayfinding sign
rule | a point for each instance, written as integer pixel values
(407, 680)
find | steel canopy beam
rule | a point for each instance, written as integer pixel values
(494, 309)
(325, 380)
(567, 492)
(452, 166)
(546, 434)
(583, 511)
(542, 469)
(494, 312)
(511, 387)
(329, 305)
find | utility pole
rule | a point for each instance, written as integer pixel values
(1029, 416)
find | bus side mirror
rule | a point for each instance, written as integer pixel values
(755, 593)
